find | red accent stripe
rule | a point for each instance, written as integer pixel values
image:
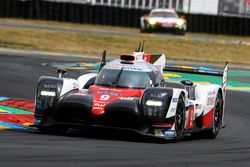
(147, 57)
(190, 118)
(208, 119)
(163, 126)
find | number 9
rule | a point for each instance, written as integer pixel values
(104, 97)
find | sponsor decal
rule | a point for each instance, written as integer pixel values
(128, 67)
(127, 98)
(108, 93)
(101, 88)
(99, 104)
(173, 110)
(168, 133)
(175, 100)
(97, 108)
(211, 93)
(210, 100)
(80, 94)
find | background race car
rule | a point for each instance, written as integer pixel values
(163, 19)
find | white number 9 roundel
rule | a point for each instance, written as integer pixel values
(104, 97)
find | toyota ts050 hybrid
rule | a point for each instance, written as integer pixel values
(130, 93)
(163, 20)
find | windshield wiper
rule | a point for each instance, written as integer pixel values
(114, 84)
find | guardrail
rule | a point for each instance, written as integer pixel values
(109, 15)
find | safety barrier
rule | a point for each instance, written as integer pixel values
(108, 15)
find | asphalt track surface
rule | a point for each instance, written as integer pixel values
(18, 78)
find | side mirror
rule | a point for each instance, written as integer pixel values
(187, 82)
(61, 72)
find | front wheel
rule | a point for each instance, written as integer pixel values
(180, 119)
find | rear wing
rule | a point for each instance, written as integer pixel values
(222, 74)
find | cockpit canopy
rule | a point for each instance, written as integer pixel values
(138, 75)
(124, 79)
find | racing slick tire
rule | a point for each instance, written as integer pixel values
(217, 116)
(180, 119)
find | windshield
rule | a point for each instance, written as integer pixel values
(123, 79)
(164, 14)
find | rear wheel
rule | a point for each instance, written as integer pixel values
(180, 118)
(217, 116)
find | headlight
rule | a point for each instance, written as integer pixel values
(48, 93)
(154, 103)
(180, 22)
(152, 21)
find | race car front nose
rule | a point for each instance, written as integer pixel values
(122, 113)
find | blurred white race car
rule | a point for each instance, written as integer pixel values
(163, 20)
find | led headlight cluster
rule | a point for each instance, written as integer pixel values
(152, 21)
(179, 23)
(48, 93)
(155, 103)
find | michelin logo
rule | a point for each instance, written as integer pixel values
(169, 133)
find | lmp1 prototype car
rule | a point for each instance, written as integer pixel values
(163, 19)
(130, 93)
